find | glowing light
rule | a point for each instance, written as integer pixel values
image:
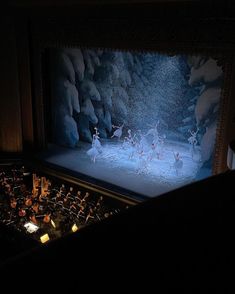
(74, 228)
(44, 238)
(31, 228)
(53, 224)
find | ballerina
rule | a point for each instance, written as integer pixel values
(96, 147)
(129, 143)
(154, 132)
(152, 152)
(143, 162)
(193, 141)
(118, 132)
(96, 141)
(142, 145)
(178, 164)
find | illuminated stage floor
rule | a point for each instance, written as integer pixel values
(113, 165)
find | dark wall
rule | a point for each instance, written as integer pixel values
(15, 49)
(10, 116)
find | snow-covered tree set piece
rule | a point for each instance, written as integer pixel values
(147, 104)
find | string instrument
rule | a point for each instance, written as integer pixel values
(42, 198)
(47, 218)
(35, 193)
(99, 201)
(90, 215)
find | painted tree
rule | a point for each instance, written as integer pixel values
(101, 88)
(207, 72)
(166, 80)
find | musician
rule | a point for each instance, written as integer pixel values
(90, 215)
(8, 189)
(78, 197)
(98, 204)
(33, 219)
(13, 203)
(62, 189)
(35, 193)
(28, 201)
(81, 211)
(73, 206)
(35, 207)
(85, 198)
(66, 201)
(47, 218)
(58, 197)
(68, 195)
(22, 212)
(23, 189)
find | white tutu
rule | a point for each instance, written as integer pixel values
(178, 164)
(118, 133)
(93, 152)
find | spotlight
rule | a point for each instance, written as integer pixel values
(44, 238)
(74, 228)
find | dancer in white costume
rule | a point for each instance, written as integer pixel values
(152, 152)
(142, 145)
(128, 140)
(96, 148)
(154, 132)
(129, 143)
(143, 162)
(118, 132)
(178, 164)
(157, 141)
(193, 141)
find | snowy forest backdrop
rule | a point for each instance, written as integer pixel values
(94, 87)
